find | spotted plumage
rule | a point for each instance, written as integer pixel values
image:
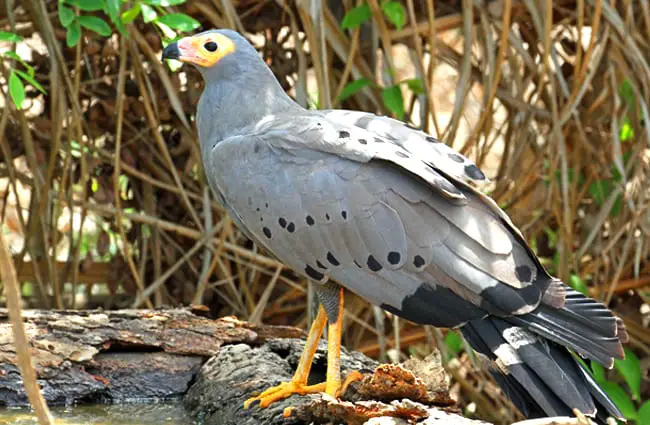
(359, 200)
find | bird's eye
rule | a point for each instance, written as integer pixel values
(210, 46)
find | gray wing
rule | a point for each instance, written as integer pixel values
(388, 227)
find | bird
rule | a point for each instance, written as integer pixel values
(365, 203)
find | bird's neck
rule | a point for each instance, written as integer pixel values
(229, 106)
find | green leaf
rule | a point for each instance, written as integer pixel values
(395, 13)
(95, 24)
(630, 369)
(164, 3)
(66, 15)
(352, 88)
(87, 5)
(16, 90)
(626, 91)
(20, 60)
(148, 13)
(73, 35)
(393, 100)
(620, 399)
(30, 79)
(644, 414)
(599, 372)
(626, 132)
(179, 21)
(578, 284)
(130, 15)
(356, 16)
(10, 36)
(454, 342)
(599, 190)
(416, 85)
(113, 8)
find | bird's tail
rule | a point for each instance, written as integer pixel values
(531, 364)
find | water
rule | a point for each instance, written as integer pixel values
(158, 413)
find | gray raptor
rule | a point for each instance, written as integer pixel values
(357, 201)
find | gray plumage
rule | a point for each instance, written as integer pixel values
(391, 214)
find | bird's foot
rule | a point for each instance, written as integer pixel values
(282, 391)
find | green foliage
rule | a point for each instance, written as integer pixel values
(620, 399)
(416, 85)
(393, 100)
(353, 87)
(179, 21)
(643, 415)
(17, 77)
(394, 11)
(16, 89)
(356, 16)
(151, 11)
(95, 24)
(9, 36)
(578, 284)
(630, 369)
(454, 343)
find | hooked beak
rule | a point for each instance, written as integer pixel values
(172, 51)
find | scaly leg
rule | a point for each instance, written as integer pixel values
(334, 331)
(298, 384)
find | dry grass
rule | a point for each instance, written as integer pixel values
(538, 93)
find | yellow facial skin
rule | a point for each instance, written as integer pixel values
(196, 49)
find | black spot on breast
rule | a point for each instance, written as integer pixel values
(256, 148)
(291, 227)
(394, 257)
(327, 217)
(266, 205)
(524, 273)
(343, 134)
(418, 261)
(456, 157)
(267, 232)
(332, 259)
(321, 265)
(402, 154)
(313, 273)
(474, 172)
(432, 139)
(257, 209)
(378, 140)
(373, 264)
(344, 214)
(363, 141)
(310, 220)
(282, 222)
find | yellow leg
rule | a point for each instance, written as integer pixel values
(334, 331)
(298, 384)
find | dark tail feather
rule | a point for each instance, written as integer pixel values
(540, 377)
(583, 325)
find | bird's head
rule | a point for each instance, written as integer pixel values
(213, 51)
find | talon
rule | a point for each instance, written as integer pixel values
(282, 391)
(353, 376)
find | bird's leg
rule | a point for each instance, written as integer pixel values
(298, 384)
(334, 331)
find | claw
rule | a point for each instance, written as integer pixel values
(282, 391)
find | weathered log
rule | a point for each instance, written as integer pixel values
(96, 356)
(240, 371)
